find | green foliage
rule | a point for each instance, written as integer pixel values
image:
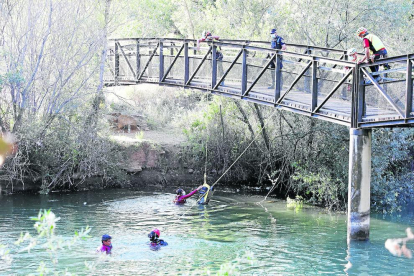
(320, 188)
(252, 20)
(392, 162)
(296, 203)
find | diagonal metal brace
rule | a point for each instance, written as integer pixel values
(126, 59)
(333, 91)
(149, 60)
(259, 76)
(294, 82)
(199, 66)
(172, 63)
(383, 93)
(228, 69)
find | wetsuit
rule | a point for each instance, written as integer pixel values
(182, 199)
(156, 244)
(105, 248)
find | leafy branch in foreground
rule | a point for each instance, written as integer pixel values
(45, 226)
(46, 239)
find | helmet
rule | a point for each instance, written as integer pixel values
(106, 237)
(156, 231)
(273, 31)
(352, 51)
(205, 34)
(361, 31)
(155, 234)
(180, 191)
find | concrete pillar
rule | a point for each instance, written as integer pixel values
(359, 184)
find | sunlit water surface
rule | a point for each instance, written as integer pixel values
(230, 232)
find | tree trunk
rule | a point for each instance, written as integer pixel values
(99, 98)
(263, 126)
(245, 119)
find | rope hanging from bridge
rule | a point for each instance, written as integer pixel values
(227, 170)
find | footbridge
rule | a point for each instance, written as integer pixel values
(313, 81)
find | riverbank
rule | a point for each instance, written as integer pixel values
(151, 158)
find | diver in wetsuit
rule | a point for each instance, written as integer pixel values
(181, 197)
(155, 242)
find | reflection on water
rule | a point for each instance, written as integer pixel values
(200, 238)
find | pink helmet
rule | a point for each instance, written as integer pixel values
(156, 231)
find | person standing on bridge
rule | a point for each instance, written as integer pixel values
(276, 43)
(372, 44)
(207, 36)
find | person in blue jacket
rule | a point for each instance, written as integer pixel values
(276, 43)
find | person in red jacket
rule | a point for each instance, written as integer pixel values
(207, 36)
(374, 49)
(181, 197)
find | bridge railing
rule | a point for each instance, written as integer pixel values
(314, 81)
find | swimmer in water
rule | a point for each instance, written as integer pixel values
(181, 197)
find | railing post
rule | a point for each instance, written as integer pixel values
(186, 63)
(116, 64)
(314, 84)
(409, 90)
(244, 72)
(214, 66)
(307, 82)
(354, 93)
(344, 95)
(161, 70)
(278, 76)
(361, 96)
(138, 60)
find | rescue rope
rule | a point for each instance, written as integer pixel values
(227, 170)
(248, 146)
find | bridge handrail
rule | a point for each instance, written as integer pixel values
(303, 56)
(246, 42)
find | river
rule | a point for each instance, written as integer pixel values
(233, 233)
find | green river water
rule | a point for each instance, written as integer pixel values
(232, 233)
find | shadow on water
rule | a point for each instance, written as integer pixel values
(202, 238)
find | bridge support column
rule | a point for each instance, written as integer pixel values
(359, 184)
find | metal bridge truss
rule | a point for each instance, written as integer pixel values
(314, 81)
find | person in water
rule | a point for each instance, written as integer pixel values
(155, 241)
(181, 197)
(106, 244)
